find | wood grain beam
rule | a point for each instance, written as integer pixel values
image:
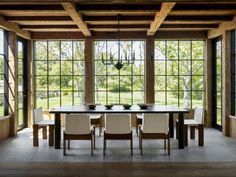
(76, 17)
(160, 17)
(223, 26)
(10, 26)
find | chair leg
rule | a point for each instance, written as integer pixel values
(177, 130)
(100, 127)
(92, 146)
(131, 144)
(141, 142)
(44, 131)
(94, 139)
(35, 135)
(137, 126)
(51, 135)
(64, 146)
(68, 144)
(165, 144)
(104, 146)
(185, 135)
(200, 135)
(169, 146)
(192, 132)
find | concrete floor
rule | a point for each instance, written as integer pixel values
(217, 148)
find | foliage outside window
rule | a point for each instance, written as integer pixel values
(2, 74)
(179, 73)
(59, 73)
(125, 86)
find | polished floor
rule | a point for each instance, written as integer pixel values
(217, 148)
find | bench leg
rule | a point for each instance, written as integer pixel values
(44, 131)
(192, 132)
(35, 135)
(51, 135)
(200, 135)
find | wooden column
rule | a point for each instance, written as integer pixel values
(89, 71)
(149, 70)
(208, 78)
(30, 80)
(13, 99)
(226, 82)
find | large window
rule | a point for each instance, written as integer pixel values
(3, 74)
(59, 73)
(114, 86)
(179, 73)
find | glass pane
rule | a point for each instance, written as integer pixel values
(78, 50)
(20, 117)
(1, 41)
(100, 68)
(41, 50)
(185, 50)
(1, 85)
(160, 50)
(172, 83)
(138, 97)
(172, 98)
(54, 67)
(41, 67)
(197, 67)
(138, 68)
(160, 68)
(185, 83)
(1, 64)
(138, 83)
(197, 98)
(20, 67)
(126, 70)
(41, 100)
(198, 83)
(78, 98)
(19, 50)
(20, 100)
(20, 83)
(113, 98)
(53, 50)
(172, 50)
(184, 68)
(100, 97)
(125, 83)
(218, 83)
(54, 83)
(66, 98)
(41, 83)
(66, 50)
(113, 83)
(172, 67)
(66, 83)
(54, 99)
(78, 83)
(100, 50)
(185, 99)
(160, 98)
(138, 49)
(125, 97)
(219, 117)
(111, 70)
(79, 67)
(160, 83)
(100, 82)
(218, 67)
(198, 50)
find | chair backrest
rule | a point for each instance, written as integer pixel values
(77, 124)
(37, 115)
(118, 123)
(199, 115)
(155, 123)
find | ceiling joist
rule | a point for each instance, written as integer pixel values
(70, 8)
(160, 17)
(10, 26)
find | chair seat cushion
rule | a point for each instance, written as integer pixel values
(95, 116)
(191, 122)
(45, 122)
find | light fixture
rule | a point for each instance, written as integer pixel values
(119, 62)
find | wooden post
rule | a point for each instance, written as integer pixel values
(149, 70)
(13, 99)
(226, 83)
(89, 71)
(30, 80)
(208, 78)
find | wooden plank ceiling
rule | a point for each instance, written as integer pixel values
(87, 17)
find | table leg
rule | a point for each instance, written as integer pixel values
(57, 131)
(181, 130)
(171, 125)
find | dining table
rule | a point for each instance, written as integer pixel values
(116, 109)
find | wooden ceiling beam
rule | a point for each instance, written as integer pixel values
(223, 26)
(70, 8)
(160, 17)
(10, 26)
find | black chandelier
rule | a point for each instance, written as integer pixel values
(121, 60)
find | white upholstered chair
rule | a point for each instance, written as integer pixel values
(118, 127)
(38, 123)
(196, 122)
(155, 126)
(139, 118)
(96, 120)
(78, 127)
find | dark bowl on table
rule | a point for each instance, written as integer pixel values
(143, 106)
(108, 106)
(91, 106)
(126, 106)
